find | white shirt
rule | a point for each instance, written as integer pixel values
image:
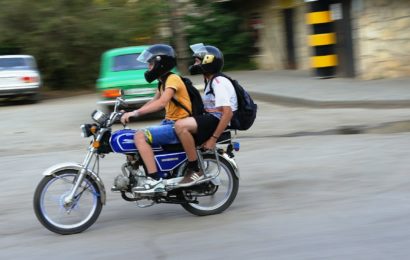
(224, 95)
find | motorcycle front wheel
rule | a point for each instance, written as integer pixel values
(216, 195)
(52, 211)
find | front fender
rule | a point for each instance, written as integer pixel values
(76, 166)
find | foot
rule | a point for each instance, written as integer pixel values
(172, 182)
(150, 185)
(191, 177)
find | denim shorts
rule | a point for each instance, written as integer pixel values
(162, 134)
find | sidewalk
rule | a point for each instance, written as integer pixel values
(301, 88)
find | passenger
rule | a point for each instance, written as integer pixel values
(219, 102)
(161, 60)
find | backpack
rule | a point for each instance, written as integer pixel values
(194, 96)
(244, 117)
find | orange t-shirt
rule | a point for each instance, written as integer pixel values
(173, 111)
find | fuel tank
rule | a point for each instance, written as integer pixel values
(122, 141)
(166, 158)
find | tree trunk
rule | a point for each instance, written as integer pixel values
(179, 37)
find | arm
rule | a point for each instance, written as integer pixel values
(157, 103)
(223, 123)
(157, 96)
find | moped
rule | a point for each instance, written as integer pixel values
(70, 196)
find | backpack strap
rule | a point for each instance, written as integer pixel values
(211, 89)
(176, 102)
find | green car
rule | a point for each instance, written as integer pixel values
(120, 70)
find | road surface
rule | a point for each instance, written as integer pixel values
(313, 196)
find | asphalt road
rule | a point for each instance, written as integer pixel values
(309, 197)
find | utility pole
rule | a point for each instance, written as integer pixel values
(179, 37)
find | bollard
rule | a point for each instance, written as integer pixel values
(323, 39)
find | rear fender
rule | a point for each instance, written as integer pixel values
(76, 166)
(232, 162)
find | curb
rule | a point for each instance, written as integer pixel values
(300, 102)
(393, 127)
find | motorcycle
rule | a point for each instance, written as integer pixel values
(70, 196)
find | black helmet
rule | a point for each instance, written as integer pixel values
(163, 58)
(212, 59)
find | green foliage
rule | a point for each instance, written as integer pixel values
(67, 37)
(221, 26)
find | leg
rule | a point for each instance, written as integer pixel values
(147, 155)
(154, 136)
(154, 183)
(145, 151)
(184, 129)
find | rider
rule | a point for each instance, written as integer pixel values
(161, 60)
(219, 102)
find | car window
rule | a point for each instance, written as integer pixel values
(128, 62)
(16, 63)
(31, 63)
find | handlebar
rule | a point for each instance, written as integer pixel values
(116, 114)
(120, 102)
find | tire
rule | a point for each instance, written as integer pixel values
(210, 204)
(34, 98)
(50, 211)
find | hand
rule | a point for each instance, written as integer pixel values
(209, 144)
(125, 118)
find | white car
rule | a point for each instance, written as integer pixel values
(19, 77)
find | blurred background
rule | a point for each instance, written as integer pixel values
(366, 39)
(324, 170)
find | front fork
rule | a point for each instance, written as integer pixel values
(68, 200)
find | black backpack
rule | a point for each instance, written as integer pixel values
(194, 96)
(244, 117)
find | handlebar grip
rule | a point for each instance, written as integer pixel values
(118, 117)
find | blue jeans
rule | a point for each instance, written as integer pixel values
(161, 134)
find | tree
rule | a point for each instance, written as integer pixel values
(67, 37)
(178, 31)
(220, 25)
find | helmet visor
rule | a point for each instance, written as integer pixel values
(145, 56)
(199, 50)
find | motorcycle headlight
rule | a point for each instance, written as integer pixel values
(85, 130)
(99, 117)
(88, 130)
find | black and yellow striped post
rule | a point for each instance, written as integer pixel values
(323, 39)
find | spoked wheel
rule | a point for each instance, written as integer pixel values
(216, 195)
(58, 216)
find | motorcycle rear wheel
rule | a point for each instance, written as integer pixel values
(62, 219)
(222, 189)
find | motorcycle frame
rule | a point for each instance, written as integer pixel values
(84, 169)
